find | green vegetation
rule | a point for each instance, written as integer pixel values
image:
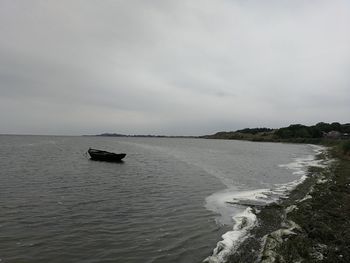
(299, 131)
(315, 131)
(255, 130)
(254, 134)
(296, 133)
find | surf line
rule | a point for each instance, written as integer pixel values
(228, 203)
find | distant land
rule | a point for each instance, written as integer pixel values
(329, 134)
(297, 133)
(140, 135)
(332, 134)
(293, 133)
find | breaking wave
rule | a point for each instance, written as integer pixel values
(236, 207)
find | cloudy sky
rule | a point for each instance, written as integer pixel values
(172, 67)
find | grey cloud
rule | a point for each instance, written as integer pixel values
(171, 66)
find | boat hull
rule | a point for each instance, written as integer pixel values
(98, 155)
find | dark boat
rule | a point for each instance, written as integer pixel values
(99, 155)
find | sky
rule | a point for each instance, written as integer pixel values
(188, 67)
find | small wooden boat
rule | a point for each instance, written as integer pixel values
(98, 155)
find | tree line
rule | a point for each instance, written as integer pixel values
(314, 131)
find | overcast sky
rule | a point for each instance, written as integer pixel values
(187, 67)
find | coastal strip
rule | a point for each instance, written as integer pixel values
(316, 228)
(311, 225)
(264, 211)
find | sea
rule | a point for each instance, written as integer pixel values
(171, 200)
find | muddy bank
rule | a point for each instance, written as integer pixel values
(311, 225)
(322, 219)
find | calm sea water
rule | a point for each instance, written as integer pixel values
(159, 205)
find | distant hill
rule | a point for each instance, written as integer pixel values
(251, 134)
(292, 133)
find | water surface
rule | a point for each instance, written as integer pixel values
(159, 205)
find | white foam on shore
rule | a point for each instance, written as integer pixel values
(243, 223)
(228, 203)
(235, 206)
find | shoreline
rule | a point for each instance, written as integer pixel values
(318, 224)
(311, 225)
(263, 212)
